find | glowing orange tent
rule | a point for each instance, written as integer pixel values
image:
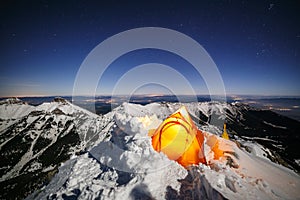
(179, 138)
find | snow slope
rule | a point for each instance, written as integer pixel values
(34, 140)
(123, 164)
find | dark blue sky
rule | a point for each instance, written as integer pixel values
(255, 44)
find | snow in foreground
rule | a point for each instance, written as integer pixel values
(125, 166)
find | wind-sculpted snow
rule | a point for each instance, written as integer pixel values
(125, 166)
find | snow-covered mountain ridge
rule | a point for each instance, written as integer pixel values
(113, 157)
(34, 140)
(125, 166)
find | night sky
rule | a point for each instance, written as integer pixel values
(255, 44)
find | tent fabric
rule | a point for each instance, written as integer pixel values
(179, 138)
(213, 143)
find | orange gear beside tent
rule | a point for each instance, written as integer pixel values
(179, 138)
(225, 134)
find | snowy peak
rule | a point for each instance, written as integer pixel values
(13, 100)
(60, 100)
(11, 109)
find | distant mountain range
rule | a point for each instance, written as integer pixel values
(36, 138)
(285, 105)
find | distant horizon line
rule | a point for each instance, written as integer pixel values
(149, 95)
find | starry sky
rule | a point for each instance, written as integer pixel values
(255, 44)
